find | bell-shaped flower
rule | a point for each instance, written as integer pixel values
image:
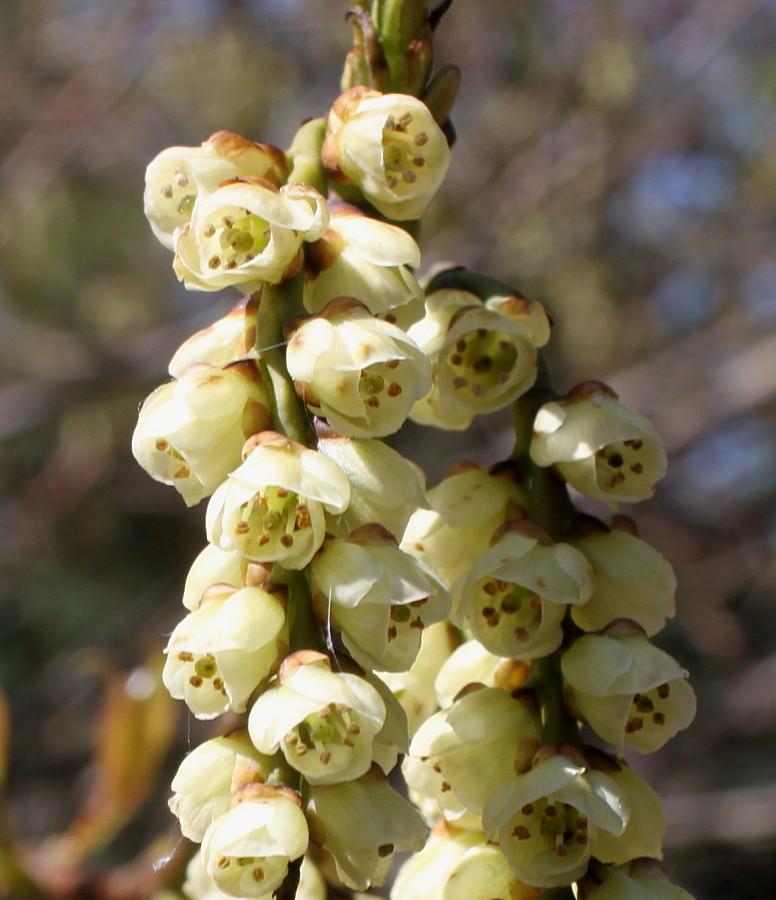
(362, 824)
(178, 175)
(390, 147)
(514, 597)
(468, 505)
(629, 691)
(247, 850)
(384, 486)
(415, 688)
(361, 373)
(272, 507)
(641, 879)
(362, 257)
(484, 354)
(459, 865)
(643, 835)
(547, 819)
(199, 885)
(459, 757)
(208, 777)
(190, 432)
(631, 580)
(324, 722)
(471, 663)
(378, 597)
(231, 338)
(247, 232)
(218, 654)
(601, 447)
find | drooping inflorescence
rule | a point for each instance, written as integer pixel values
(340, 608)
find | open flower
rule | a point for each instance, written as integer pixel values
(178, 175)
(247, 850)
(247, 232)
(209, 775)
(600, 446)
(459, 757)
(362, 257)
(547, 819)
(199, 885)
(324, 722)
(190, 432)
(271, 508)
(484, 354)
(631, 580)
(629, 691)
(459, 865)
(218, 655)
(361, 373)
(362, 823)
(378, 597)
(514, 597)
(390, 147)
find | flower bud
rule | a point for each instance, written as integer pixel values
(248, 849)
(178, 175)
(390, 147)
(471, 663)
(361, 373)
(362, 823)
(229, 339)
(630, 692)
(271, 508)
(190, 432)
(324, 722)
(384, 486)
(484, 354)
(600, 446)
(469, 504)
(514, 598)
(378, 597)
(365, 258)
(205, 780)
(464, 754)
(631, 580)
(218, 655)
(247, 232)
(547, 820)
(459, 865)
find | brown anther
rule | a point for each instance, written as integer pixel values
(637, 468)
(408, 176)
(521, 833)
(615, 460)
(242, 528)
(258, 874)
(196, 681)
(372, 401)
(264, 539)
(459, 382)
(421, 139)
(636, 444)
(659, 718)
(185, 656)
(166, 191)
(209, 230)
(528, 809)
(287, 540)
(394, 389)
(521, 634)
(663, 691)
(214, 262)
(325, 757)
(161, 444)
(392, 363)
(282, 493)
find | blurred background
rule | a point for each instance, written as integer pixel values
(616, 159)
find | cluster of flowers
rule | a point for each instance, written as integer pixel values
(331, 533)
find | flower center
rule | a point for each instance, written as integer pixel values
(232, 237)
(403, 155)
(271, 523)
(482, 360)
(619, 462)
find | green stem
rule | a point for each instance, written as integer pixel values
(304, 631)
(561, 893)
(401, 23)
(558, 727)
(278, 303)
